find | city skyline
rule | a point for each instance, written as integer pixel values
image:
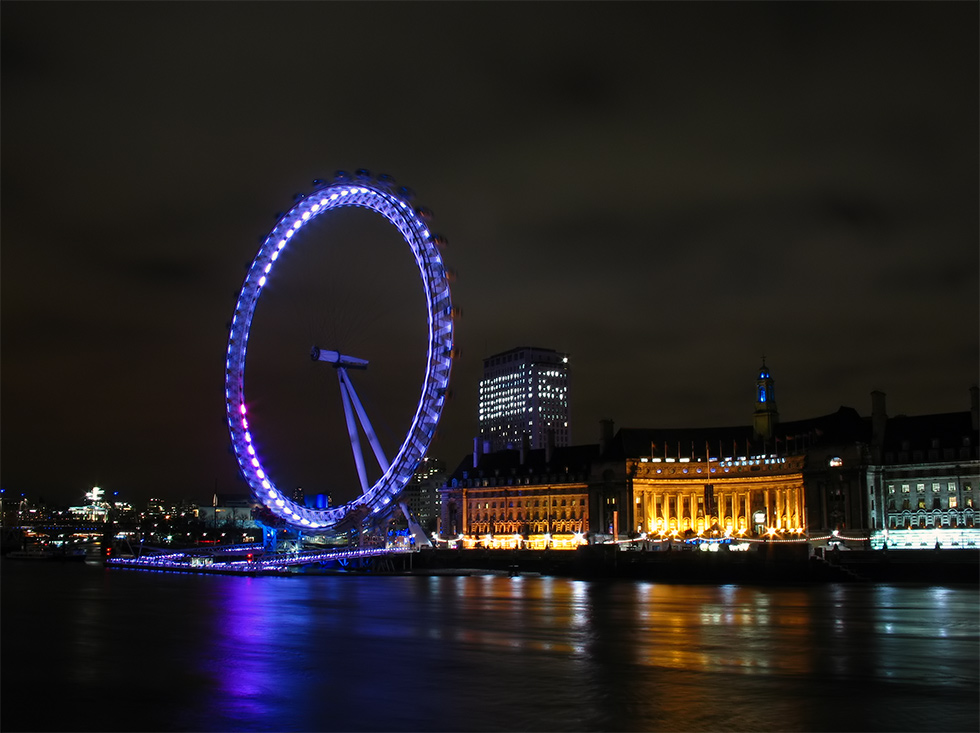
(664, 192)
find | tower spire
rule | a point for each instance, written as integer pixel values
(766, 414)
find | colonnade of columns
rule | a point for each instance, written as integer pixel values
(678, 508)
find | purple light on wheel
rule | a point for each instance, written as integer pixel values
(394, 207)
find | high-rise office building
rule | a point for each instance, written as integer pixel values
(524, 399)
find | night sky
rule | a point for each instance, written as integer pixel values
(666, 191)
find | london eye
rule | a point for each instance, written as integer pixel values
(393, 468)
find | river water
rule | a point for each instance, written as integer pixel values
(85, 648)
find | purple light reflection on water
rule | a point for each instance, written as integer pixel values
(244, 661)
(168, 651)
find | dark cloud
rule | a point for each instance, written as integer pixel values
(163, 272)
(665, 190)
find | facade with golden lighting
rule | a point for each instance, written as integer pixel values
(733, 497)
(520, 499)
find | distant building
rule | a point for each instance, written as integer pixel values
(231, 510)
(524, 400)
(422, 493)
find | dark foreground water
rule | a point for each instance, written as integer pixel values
(85, 648)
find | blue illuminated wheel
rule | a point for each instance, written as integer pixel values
(379, 195)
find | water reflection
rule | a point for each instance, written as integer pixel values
(485, 653)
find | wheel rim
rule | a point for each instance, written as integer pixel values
(395, 207)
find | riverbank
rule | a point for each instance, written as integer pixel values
(768, 564)
(764, 564)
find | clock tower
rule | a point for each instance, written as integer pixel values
(766, 415)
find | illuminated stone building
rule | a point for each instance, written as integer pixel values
(924, 478)
(736, 481)
(839, 473)
(520, 498)
(524, 399)
(733, 496)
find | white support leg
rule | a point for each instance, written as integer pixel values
(355, 441)
(421, 538)
(365, 423)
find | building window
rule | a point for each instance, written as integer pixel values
(891, 488)
(935, 488)
(920, 487)
(952, 502)
(951, 486)
(905, 488)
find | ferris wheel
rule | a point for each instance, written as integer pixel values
(375, 498)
